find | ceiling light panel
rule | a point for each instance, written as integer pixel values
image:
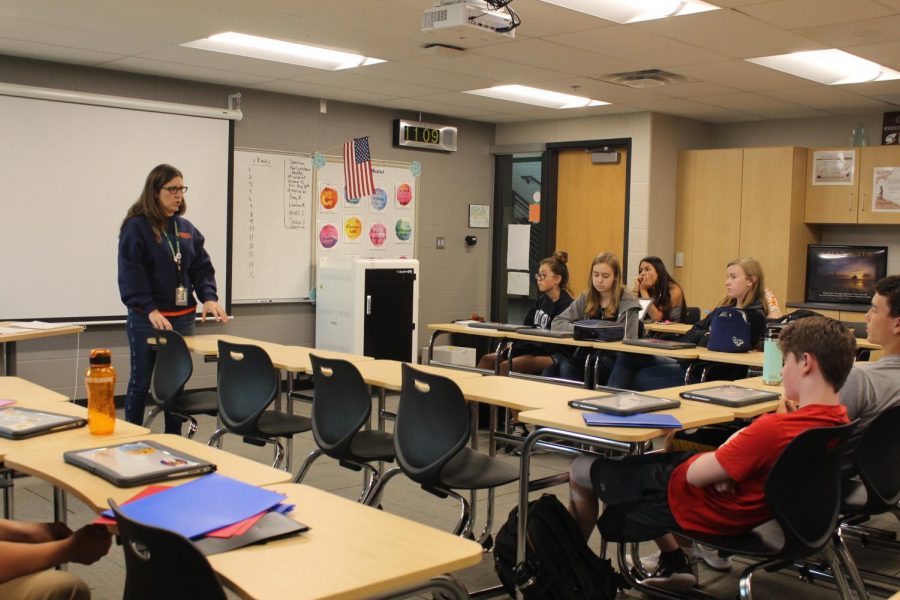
(830, 67)
(536, 97)
(632, 11)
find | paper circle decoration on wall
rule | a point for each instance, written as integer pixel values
(403, 229)
(328, 236)
(352, 228)
(377, 234)
(328, 197)
(404, 194)
(379, 199)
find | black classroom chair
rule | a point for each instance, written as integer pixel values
(342, 406)
(804, 491)
(431, 434)
(172, 370)
(248, 384)
(162, 564)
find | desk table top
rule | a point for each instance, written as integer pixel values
(681, 354)
(208, 345)
(388, 374)
(350, 551)
(24, 392)
(677, 328)
(570, 419)
(522, 394)
(462, 328)
(33, 334)
(296, 358)
(740, 412)
(45, 460)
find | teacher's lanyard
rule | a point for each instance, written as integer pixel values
(176, 249)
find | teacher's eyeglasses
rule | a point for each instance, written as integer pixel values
(174, 189)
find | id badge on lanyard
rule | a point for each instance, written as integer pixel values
(181, 292)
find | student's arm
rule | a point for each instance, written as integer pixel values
(707, 470)
(565, 321)
(85, 546)
(29, 532)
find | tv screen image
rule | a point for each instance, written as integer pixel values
(843, 274)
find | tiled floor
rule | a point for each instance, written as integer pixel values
(33, 502)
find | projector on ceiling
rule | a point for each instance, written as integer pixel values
(468, 18)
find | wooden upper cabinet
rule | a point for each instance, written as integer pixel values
(872, 158)
(850, 203)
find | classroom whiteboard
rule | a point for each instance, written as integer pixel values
(70, 173)
(383, 225)
(271, 227)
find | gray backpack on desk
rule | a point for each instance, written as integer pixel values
(597, 330)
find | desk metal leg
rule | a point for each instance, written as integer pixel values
(382, 396)
(473, 495)
(9, 359)
(444, 585)
(60, 508)
(288, 399)
(8, 489)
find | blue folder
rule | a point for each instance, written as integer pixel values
(198, 507)
(652, 420)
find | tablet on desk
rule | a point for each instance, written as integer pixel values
(137, 463)
(497, 326)
(731, 395)
(658, 343)
(626, 403)
(544, 332)
(19, 423)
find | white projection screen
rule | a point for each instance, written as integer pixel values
(68, 173)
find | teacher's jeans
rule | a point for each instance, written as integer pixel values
(143, 357)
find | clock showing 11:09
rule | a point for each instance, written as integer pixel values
(429, 136)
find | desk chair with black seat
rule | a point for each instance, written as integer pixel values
(172, 370)
(860, 332)
(431, 434)
(248, 384)
(162, 564)
(804, 492)
(877, 491)
(342, 406)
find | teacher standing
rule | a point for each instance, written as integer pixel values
(162, 267)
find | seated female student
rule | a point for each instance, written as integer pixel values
(606, 299)
(667, 304)
(553, 284)
(744, 285)
(666, 297)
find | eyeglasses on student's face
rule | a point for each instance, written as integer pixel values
(174, 189)
(541, 276)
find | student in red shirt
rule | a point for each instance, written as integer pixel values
(722, 492)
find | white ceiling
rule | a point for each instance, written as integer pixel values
(554, 48)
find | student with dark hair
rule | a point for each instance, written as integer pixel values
(721, 492)
(606, 299)
(555, 296)
(666, 297)
(162, 266)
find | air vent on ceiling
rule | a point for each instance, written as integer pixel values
(648, 78)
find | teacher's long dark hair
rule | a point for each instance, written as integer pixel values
(147, 203)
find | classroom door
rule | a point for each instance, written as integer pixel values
(388, 324)
(591, 205)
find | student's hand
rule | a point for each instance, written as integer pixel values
(158, 321)
(786, 406)
(89, 544)
(215, 310)
(476, 317)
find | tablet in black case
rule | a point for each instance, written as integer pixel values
(18, 423)
(138, 463)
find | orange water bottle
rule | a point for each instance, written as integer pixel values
(100, 381)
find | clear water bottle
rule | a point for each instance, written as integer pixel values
(100, 381)
(858, 136)
(772, 357)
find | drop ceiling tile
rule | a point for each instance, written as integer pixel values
(702, 112)
(642, 48)
(743, 75)
(690, 90)
(731, 33)
(54, 53)
(480, 103)
(540, 19)
(556, 57)
(69, 37)
(429, 109)
(228, 62)
(874, 89)
(757, 104)
(854, 32)
(300, 88)
(828, 98)
(794, 14)
(886, 54)
(601, 90)
(500, 71)
(432, 74)
(135, 64)
(352, 81)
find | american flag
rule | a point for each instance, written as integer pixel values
(358, 180)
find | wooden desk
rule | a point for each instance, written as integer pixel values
(295, 359)
(24, 392)
(388, 374)
(754, 358)
(8, 341)
(570, 419)
(351, 551)
(676, 328)
(740, 412)
(681, 354)
(44, 459)
(522, 394)
(208, 345)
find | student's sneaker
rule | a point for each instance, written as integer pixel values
(711, 557)
(649, 562)
(673, 573)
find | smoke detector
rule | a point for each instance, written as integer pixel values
(647, 78)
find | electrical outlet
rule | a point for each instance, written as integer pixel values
(439, 243)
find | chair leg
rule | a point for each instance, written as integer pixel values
(192, 427)
(279, 453)
(152, 415)
(310, 459)
(375, 493)
(839, 579)
(464, 525)
(214, 439)
(371, 479)
(846, 558)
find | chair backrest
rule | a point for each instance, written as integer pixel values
(878, 461)
(691, 315)
(860, 330)
(341, 405)
(247, 384)
(162, 564)
(804, 488)
(432, 424)
(172, 370)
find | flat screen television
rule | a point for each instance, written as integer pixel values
(843, 274)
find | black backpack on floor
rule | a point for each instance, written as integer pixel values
(558, 563)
